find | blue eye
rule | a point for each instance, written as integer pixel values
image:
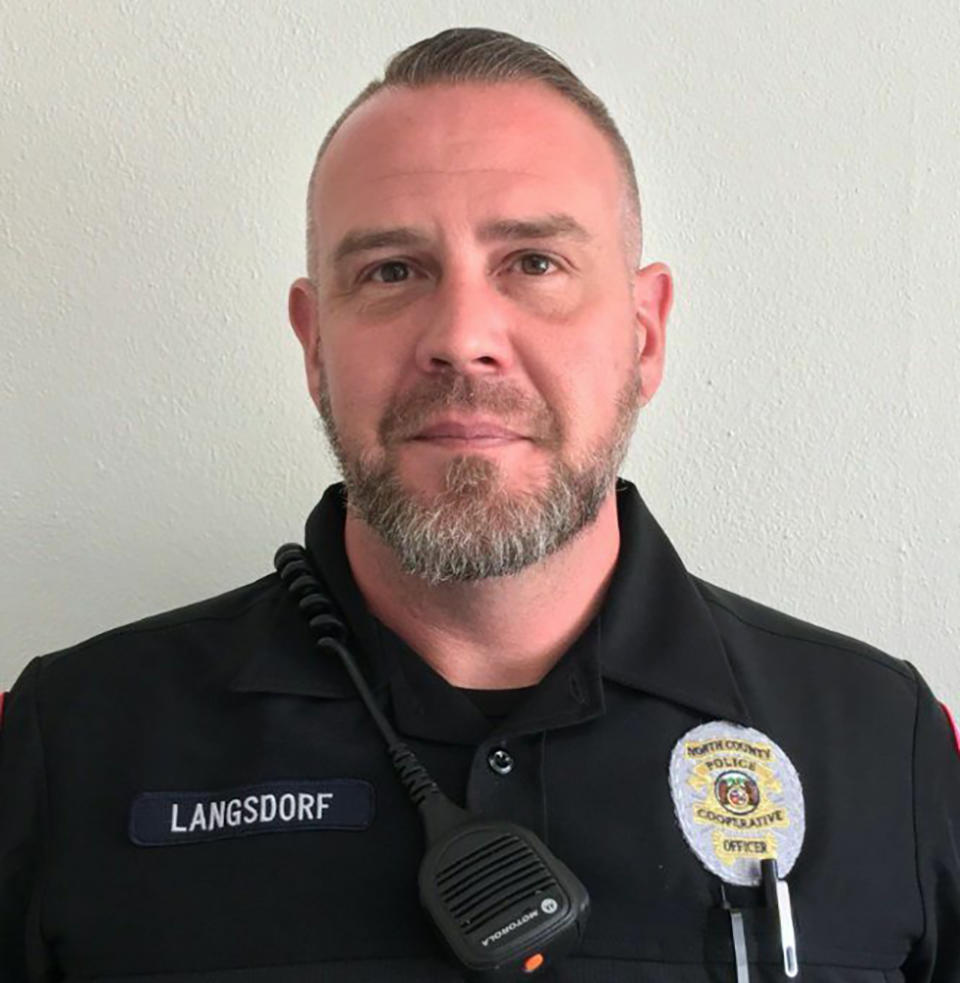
(392, 272)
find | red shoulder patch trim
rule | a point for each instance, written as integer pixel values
(953, 724)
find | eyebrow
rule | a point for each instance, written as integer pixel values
(363, 240)
(553, 226)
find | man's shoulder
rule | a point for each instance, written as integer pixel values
(753, 630)
(225, 622)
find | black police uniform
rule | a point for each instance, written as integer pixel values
(293, 853)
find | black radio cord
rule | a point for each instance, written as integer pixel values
(438, 812)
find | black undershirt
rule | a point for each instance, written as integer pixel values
(495, 704)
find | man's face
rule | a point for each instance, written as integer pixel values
(476, 340)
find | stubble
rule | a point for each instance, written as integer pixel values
(477, 527)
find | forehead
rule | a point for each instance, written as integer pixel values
(445, 153)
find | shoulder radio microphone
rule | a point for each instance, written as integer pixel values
(504, 904)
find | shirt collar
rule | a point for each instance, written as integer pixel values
(653, 633)
(657, 632)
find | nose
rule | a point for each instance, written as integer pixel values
(465, 328)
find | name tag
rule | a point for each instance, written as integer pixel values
(166, 818)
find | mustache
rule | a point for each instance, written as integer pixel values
(408, 414)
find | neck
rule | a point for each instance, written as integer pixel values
(500, 633)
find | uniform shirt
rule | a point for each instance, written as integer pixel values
(230, 700)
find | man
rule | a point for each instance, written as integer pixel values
(203, 796)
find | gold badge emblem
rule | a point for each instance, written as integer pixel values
(738, 800)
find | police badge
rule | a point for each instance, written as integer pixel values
(738, 801)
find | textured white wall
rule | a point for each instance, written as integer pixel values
(799, 164)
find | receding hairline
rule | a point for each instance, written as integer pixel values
(483, 57)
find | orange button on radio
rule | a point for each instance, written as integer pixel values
(532, 963)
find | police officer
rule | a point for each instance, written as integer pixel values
(203, 795)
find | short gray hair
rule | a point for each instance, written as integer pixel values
(478, 54)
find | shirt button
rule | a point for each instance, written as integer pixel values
(500, 761)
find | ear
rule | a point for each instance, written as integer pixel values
(302, 310)
(652, 300)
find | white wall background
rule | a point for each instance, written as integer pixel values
(799, 164)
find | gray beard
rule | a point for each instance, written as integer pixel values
(475, 528)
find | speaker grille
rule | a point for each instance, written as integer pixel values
(487, 882)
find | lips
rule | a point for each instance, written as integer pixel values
(475, 430)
